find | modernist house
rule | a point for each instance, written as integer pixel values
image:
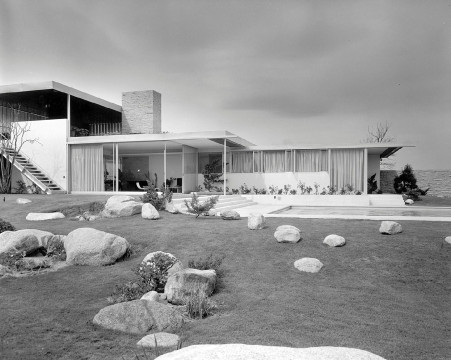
(87, 144)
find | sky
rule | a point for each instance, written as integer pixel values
(273, 72)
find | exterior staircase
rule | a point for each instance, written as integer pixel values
(36, 175)
(227, 202)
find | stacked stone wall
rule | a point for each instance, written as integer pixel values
(141, 112)
(387, 178)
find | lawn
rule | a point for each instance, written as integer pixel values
(385, 294)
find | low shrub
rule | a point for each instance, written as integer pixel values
(21, 187)
(6, 226)
(154, 274)
(201, 208)
(127, 292)
(208, 262)
(198, 304)
(11, 259)
(55, 249)
(244, 189)
(157, 200)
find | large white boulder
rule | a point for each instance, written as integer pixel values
(22, 201)
(149, 212)
(255, 221)
(334, 240)
(161, 340)
(27, 240)
(187, 281)
(310, 265)
(86, 246)
(261, 352)
(121, 205)
(390, 228)
(44, 216)
(448, 239)
(287, 234)
(139, 317)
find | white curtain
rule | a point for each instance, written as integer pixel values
(347, 168)
(311, 160)
(257, 161)
(87, 168)
(242, 162)
(273, 161)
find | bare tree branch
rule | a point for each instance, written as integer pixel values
(380, 134)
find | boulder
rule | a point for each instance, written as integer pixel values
(262, 352)
(44, 216)
(120, 205)
(255, 221)
(287, 234)
(139, 317)
(149, 212)
(409, 202)
(390, 228)
(334, 240)
(448, 239)
(188, 280)
(86, 246)
(27, 240)
(175, 268)
(23, 201)
(212, 212)
(310, 265)
(230, 215)
(170, 207)
(151, 296)
(162, 340)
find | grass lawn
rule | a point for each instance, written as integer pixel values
(385, 294)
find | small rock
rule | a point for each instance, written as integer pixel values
(23, 201)
(334, 240)
(149, 212)
(390, 228)
(163, 341)
(310, 265)
(230, 215)
(408, 202)
(212, 212)
(255, 221)
(448, 239)
(163, 296)
(287, 234)
(44, 216)
(151, 296)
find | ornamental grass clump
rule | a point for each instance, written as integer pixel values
(201, 207)
(209, 262)
(198, 304)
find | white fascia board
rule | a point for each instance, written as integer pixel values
(325, 147)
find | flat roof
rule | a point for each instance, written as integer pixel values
(53, 85)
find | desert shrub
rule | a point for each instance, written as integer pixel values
(6, 226)
(34, 189)
(208, 262)
(55, 249)
(157, 200)
(212, 175)
(198, 304)
(235, 191)
(127, 292)
(286, 189)
(201, 207)
(293, 192)
(21, 187)
(153, 274)
(244, 189)
(316, 186)
(11, 259)
(405, 181)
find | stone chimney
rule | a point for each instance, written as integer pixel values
(141, 112)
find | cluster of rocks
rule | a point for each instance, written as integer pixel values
(156, 312)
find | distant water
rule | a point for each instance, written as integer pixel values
(438, 180)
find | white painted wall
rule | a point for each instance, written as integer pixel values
(374, 167)
(50, 153)
(265, 180)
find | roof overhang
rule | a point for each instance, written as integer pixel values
(205, 140)
(53, 85)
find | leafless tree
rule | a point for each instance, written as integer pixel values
(13, 135)
(380, 134)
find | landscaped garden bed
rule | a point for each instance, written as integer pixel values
(384, 294)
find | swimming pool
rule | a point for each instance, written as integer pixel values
(408, 213)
